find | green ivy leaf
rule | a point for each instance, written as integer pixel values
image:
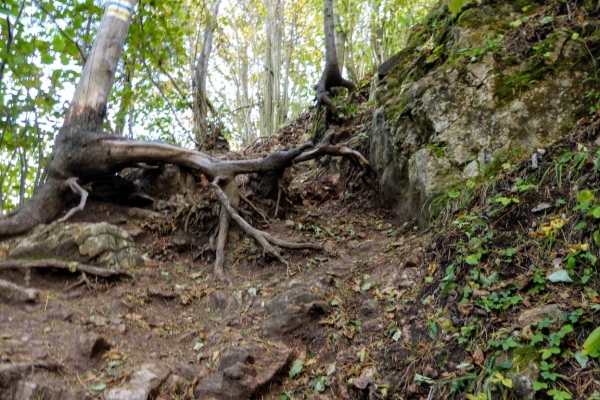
(456, 5)
(297, 367)
(547, 353)
(592, 342)
(547, 20)
(473, 259)
(585, 196)
(98, 387)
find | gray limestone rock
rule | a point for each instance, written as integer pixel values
(438, 122)
(244, 370)
(143, 383)
(100, 244)
(295, 311)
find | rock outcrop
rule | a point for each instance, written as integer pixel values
(472, 91)
(100, 244)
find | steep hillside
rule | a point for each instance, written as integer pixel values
(495, 299)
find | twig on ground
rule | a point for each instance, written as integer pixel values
(258, 210)
(23, 367)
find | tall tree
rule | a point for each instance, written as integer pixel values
(200, 72)
(332, 76)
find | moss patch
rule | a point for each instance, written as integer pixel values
(509, 87)
(523, 356)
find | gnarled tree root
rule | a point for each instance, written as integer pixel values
(83, 195)
(16, 294)
(69, 265)
(104, 155)
(261, 237)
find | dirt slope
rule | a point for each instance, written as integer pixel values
(467, 307)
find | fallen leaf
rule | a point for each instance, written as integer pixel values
(560, 276)
(478, 356)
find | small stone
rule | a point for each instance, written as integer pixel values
(26, 390)
(92, 345)
(550, 311)
(541, 207)
(366, 377)
(31, 309)
(61, 314)
(142, 383)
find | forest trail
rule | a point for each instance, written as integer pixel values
(504, 280)
(175, 316)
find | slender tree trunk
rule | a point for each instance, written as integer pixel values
(331, 76)
(340, 42)
(201, 107)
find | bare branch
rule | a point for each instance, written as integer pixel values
(62, 32)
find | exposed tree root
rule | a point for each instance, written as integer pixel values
(224, 219)
(82, 279)
(331, 77)
(325, 147)
(69, 265)
(329, 81)
(261, 237)
(25, 367)
(258, 210)
(105, 155)
(83, 195)
(17, 294)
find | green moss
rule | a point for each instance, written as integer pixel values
(474, 18)
(523, 356)
(394, 112)
(510, 86)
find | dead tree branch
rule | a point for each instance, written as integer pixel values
(16, 294)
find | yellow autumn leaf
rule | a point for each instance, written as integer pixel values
(576, 248)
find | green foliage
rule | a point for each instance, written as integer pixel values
(456, 5)
(592, 344)
(297, 367)
(43, 47)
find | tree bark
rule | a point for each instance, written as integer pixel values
(331, 76)
(200, 103)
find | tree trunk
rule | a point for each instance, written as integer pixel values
(200, 103)
(83, 120)
(331, 76)
(340, 42)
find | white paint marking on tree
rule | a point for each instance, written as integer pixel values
(119, 9)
